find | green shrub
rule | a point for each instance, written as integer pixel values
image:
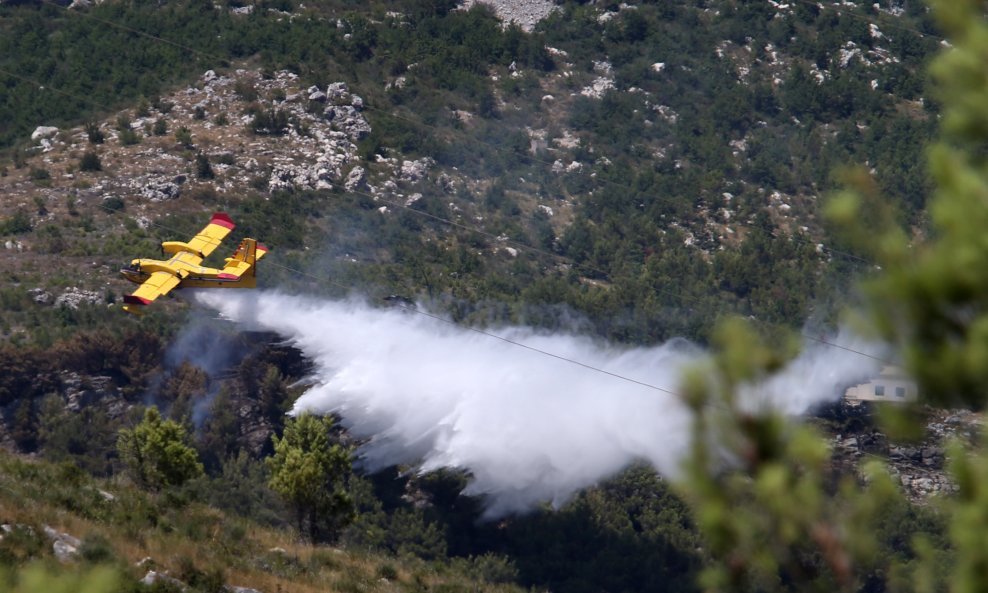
(90, 162)
(387, 571)
(203, 169)
(183, 136)
(113, 203)
(490, 567)
(39, 202)
(96, 549)
(22, 542)
(163, 106)
(269, 121)
(143, 107)
(93, 133)
(20, 222)
(245, 90)
(129, 137)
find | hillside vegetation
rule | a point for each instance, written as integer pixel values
(634, 171)
(663, 163)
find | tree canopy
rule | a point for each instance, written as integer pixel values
(312, 475)
(156, 452)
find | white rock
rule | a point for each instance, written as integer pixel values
(64, 552)
(74, 297)
(355, 179)
(338, 92)
(43, 133)
(65, 546)
(153, 577)
(415, 170)
(598, 88)
(524, 13)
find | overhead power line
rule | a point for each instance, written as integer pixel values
(447, 221)
(217, 58)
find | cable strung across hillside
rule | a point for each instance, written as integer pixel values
(763, 228)
(439, 318)
(451, 222)
(532, 158)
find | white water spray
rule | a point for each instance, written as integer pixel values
(528, 427)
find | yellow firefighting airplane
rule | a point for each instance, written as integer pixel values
(182, 270)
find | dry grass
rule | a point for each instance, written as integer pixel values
(188, 538)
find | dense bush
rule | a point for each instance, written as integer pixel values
(90, 161)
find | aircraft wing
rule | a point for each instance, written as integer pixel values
(210, 237)
(158, 284)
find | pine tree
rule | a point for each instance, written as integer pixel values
(773, 515)
(312, 476)
(156, 452)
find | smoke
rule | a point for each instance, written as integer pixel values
(212, 348)
(528, 427)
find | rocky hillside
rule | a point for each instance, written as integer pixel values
(917, 465)
(631, 171)
(688, 131)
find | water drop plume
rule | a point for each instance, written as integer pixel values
(527, 427)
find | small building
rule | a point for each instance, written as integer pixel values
(891, 385)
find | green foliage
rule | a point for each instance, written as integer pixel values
(96, 549)
(143, 108)
(769, 522)
(160, 127)
(18, 223)
(90, 161)
(242, 488)
(217, 438)
(125, 133)
(269, 121)
(490, 568)
(311, 475)
(93, 133)
(40, 579)
(85, 438)
(40, 175)
(633, 277)
(930, 300)
(225, 158)
(410, 533)
(203, 169)
(128, 137)
(774, 522)
(184, 137)
(156, 453)
(113, 204)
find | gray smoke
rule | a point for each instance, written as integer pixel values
(528, 427)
